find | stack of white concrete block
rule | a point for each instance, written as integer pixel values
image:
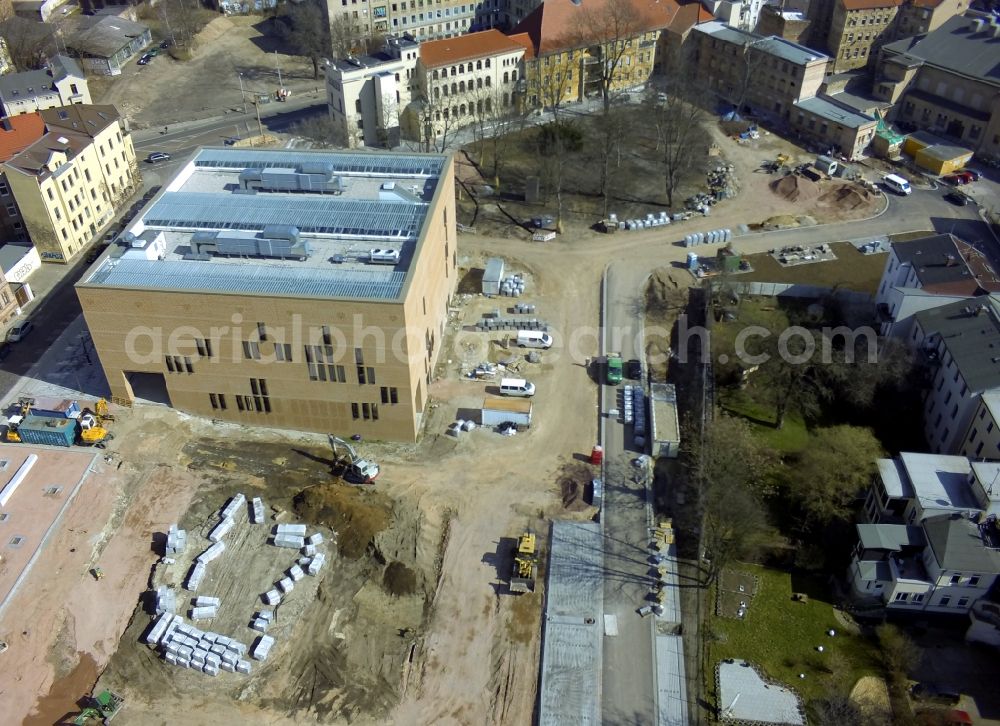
(176, 540)
(316, 564)
(272, 597)
(221, 530)
(257, 511)
(262, 647)
(292, 536)
(311, 543)
(229, 511)
(262, 620)
(204, 607)
(166, 600)
(189, 647)
(196, 575)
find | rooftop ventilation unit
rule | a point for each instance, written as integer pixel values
(383, 257)
(276, 241)
(976, 25)
(313, 176)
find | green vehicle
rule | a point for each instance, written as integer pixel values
(614, 370)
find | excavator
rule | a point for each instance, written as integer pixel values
(352, 467)
(100, 709)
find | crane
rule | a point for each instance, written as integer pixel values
(361, 471)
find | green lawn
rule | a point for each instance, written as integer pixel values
(789, 439)
(851, 270)
(781, 635)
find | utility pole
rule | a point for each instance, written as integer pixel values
(243, 94)
(278, 67)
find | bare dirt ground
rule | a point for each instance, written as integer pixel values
(167, 91)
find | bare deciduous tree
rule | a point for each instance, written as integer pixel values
(305, 28)
(497, 120)
(680, 127)
(347, 37)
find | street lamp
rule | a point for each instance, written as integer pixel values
(278, 67)
(243, 94)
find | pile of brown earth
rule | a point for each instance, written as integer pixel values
(846, 197)
(356, 515)
(573, 482)
(795, 188)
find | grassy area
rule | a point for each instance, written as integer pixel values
(781, 636)
(790, 438)
(851, 270)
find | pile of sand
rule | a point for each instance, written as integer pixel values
(795, 188)
(845, 197)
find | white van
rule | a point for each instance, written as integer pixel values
(533, 339)
(897, 184)
(516, 387)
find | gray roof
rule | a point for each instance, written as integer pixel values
(955, 47)
(936, 259)
(958, 545)
(198, 276)
(773, 45)
(29, 84)
(892, 537)
(344, 162)
(11, 254)
(826, 107)
(970, 330)
(105, 36)
(874, 571)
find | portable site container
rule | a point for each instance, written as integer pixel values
(48, 430)
(497, 411)
(492, 276)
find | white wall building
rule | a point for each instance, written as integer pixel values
(62, 83)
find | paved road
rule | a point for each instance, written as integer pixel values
(628, 684)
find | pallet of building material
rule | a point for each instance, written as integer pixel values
(316, 538)
(262, 647)
(176, 540)
(243, 667)
(290, 541)
(204, 601)
(316, 565)
(309, 550)
(211, 553)
(286, 585)
(257, 511)
(204, 613)
(196, 575)
(295, 529)
(295, 573)
(267, 615)
(159, 628)
(221, 529)
(259, 624)
(232, 505)
(166, 599)
(271, 597)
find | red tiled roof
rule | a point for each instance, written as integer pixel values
(870, 4)
(444, 52)
(561, 24)
(524, 40)
(25, 130)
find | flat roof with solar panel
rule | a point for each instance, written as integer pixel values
(279, 222)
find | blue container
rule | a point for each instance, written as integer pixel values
(48, 430)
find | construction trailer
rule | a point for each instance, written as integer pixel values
(493, 276)
(663, 419)
(497, 411)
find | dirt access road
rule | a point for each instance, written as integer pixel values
(167, 91)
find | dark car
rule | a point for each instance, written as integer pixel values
(958, 198)
(166, 43)
(144, 60)
(932, 693)
(973, 174)
(633, 370)
(94, 253)
(955, 179)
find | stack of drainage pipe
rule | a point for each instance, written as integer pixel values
(176, 540)
(189, 647)
(257, 511)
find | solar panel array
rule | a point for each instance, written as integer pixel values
(398, 165)
(350, 218)
(196, 276)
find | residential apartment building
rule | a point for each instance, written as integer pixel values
(422, 19)
(930, 540)
(62, 83)
(959, 342)
(791, 25)
(857, 29)
(69, 183)
(944, 564)
(16, 134)
(782, 82)
(927, 273)
(366, 95)
(946, 82)
(463, 80)
(918, 17)
(303, 290)
(571, 44)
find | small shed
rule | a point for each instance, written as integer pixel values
(826, 165)
(492, 276)
(942, 158)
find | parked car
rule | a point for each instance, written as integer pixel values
(144, 60)
(973, 174)
(152, 52)
(933, 693)
(958, 198)
(166, 43)
(157, 156)
(94, 253)
(958, 178)
(633, 370)
(20, 331)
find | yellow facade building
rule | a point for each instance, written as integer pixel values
(69, 183)
(297, 290)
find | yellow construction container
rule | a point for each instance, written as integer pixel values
(920, 140)
(942, 158)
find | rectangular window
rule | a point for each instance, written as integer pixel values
(361, 375)
(956, 578)
(385, 394)
(943, 602)
(371, 375)
(359, 358)
(918, 597)
(366, 411)
(974, 581)
(354, 411)
(187, 365)
(963, 602)
(327, 340)
(170, 363)
(283, 351)
(262, 331)
(901, 596)
(251, 350)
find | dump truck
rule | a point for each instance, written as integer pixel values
(524, 567)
